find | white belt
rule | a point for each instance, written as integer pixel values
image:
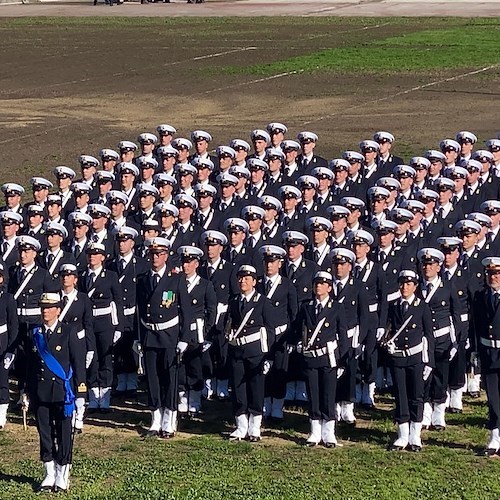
(280, 329)
(101, 311)
(3, 329)
(405, 353)
(393, 296)
(238, 342)
(128, 311)
(30, 311)
(161, 326)
(315, 353)
(441, 332)
(490, 343)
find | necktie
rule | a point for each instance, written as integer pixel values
(425, 224)
(357, 271)
(201, 219)
(251, 241)
(234, 253)
(154, 280)
(319, 308)
(465, 260)
(404, 307)
(121, 265)
(287, 171)
(64, 301)
(50, 259)
(77, 250)
(489, 237)
(269, 283)
(428, 289)
(286, 220)
(31, 232)
(95, 238)
(496, 300)
(90, 280)
(480, 181)
(182, 229)
(381, 257)
(5, 247)
(316, 255)
(447, 275)
(210, 270)
(223, 206)
(441, 212)
(48, 332)
(304, 162)
(340, 287)
(454, 199)
(22, 275)
(291, 271)
(242, 305)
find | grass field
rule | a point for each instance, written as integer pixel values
(72, 86)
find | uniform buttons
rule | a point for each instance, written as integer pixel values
(434, 319)
(53, 379)
(406, 338)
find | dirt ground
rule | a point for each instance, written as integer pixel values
(70, 89)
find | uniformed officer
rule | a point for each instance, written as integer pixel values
(203, 301)
(76, 311)
(11, 223)
(164, 310)
(283, 296)
(319, 228)
(250, 328)
(128, 267)
(409, 342)
(58, 365)
(12, 193)
(103, 290)
(54, 256)
(9, 326)
(79, 240)
(64, 177)
(486, 319)
(324, 347)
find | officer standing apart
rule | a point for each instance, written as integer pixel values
(59, 371)
(409, 342)
(250, 327)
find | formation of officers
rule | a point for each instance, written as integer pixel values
(261, 273)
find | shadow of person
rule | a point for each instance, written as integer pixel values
(20, 479)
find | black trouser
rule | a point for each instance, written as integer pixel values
(491, 381)
(4, 384)
(347, 383)
(101, 371)
(190, 371)
(218, 354)
(124, 360)
(321, 386)
(436, 385)
(21, 369)
(409, 392)
(54, 428)
(161, 372)
(458, 368)
(276, 379)
(368, 361)
(295, 368)
(247, 381)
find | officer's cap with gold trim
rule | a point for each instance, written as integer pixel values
(352, 203)
(186, 201)
(12, 189)
(456, 172)
(400, 215)
(338, 212)
(200, 135)
(88, 161)
(272, 252)
(413, 206)
(322, 173)
(150, 225)
(147, 138)
(201, 163)
(274, 154)
(389, 183)
(127, 146)
(482, 219)
(307, 136)
(239, 171)
(166, 209)
(39, 183)
(146, 162)
(187, 253)
(339, 165)
(253, 212)
(307, 182)
(277, 127)
(80, 188)
(7, 218)
(97, 210)
(491, 263)
(360, 236)
(490, 207)
(318, 223)
(125, 233)
(109, 155)
(407, 276)
(431, 255)
(384, 226)
(35, 209)
(287, 191)
(50, 299)
(353, 156)
(166, 129)
(204, 190)
(182, 143)
(95, 248)
(294, 238)
(290, 145)
(127, 167)
(246, 270)
(257, 164)
(103, 176)
(383, 136)
(342, 255)
(163, 178)
(68, 269)
(426, 195)
(466, 136)
(378, 193)
(185, 169)
(369, 146)
(167, 152)
(471, 165)
(115, 196)
(467, 226)
(434, 154)
(323, 277)
(212, 237)
(449, 243)
(236, 225)
(227, 179)
(450, 145)
(259, 134)
(420, 163)
(157, 243)
(26, 242)
(225, 152)
(80, 219)
(404, 171)
(239, 144)
(444, 184)
(62, 172)
(56, 228)
(147, 190)
(268, 202)
(482, 156)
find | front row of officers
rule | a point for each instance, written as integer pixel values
(321, 328)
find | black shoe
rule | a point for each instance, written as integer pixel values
(393, 447)
(438, 428)
(489, 452)
(350, 423)
(45, 489)
(166, 435)
(153, 434)
(415, 448)
(254, 439)
(474, 394)
(310, 444)
(330, 445)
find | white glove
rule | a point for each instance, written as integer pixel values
(299, 347)
(340, 372)
(79, 403)
(117, 336)
(137, 347)
(290, 348)
(266, 367)
(467, 344)
(380, 334)
(453, 351)
(206, 346)
(427, 372)
(88, 359)
(8, 359)
(181, 347)
(358, 351)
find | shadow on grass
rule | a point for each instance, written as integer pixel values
(19, 479)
